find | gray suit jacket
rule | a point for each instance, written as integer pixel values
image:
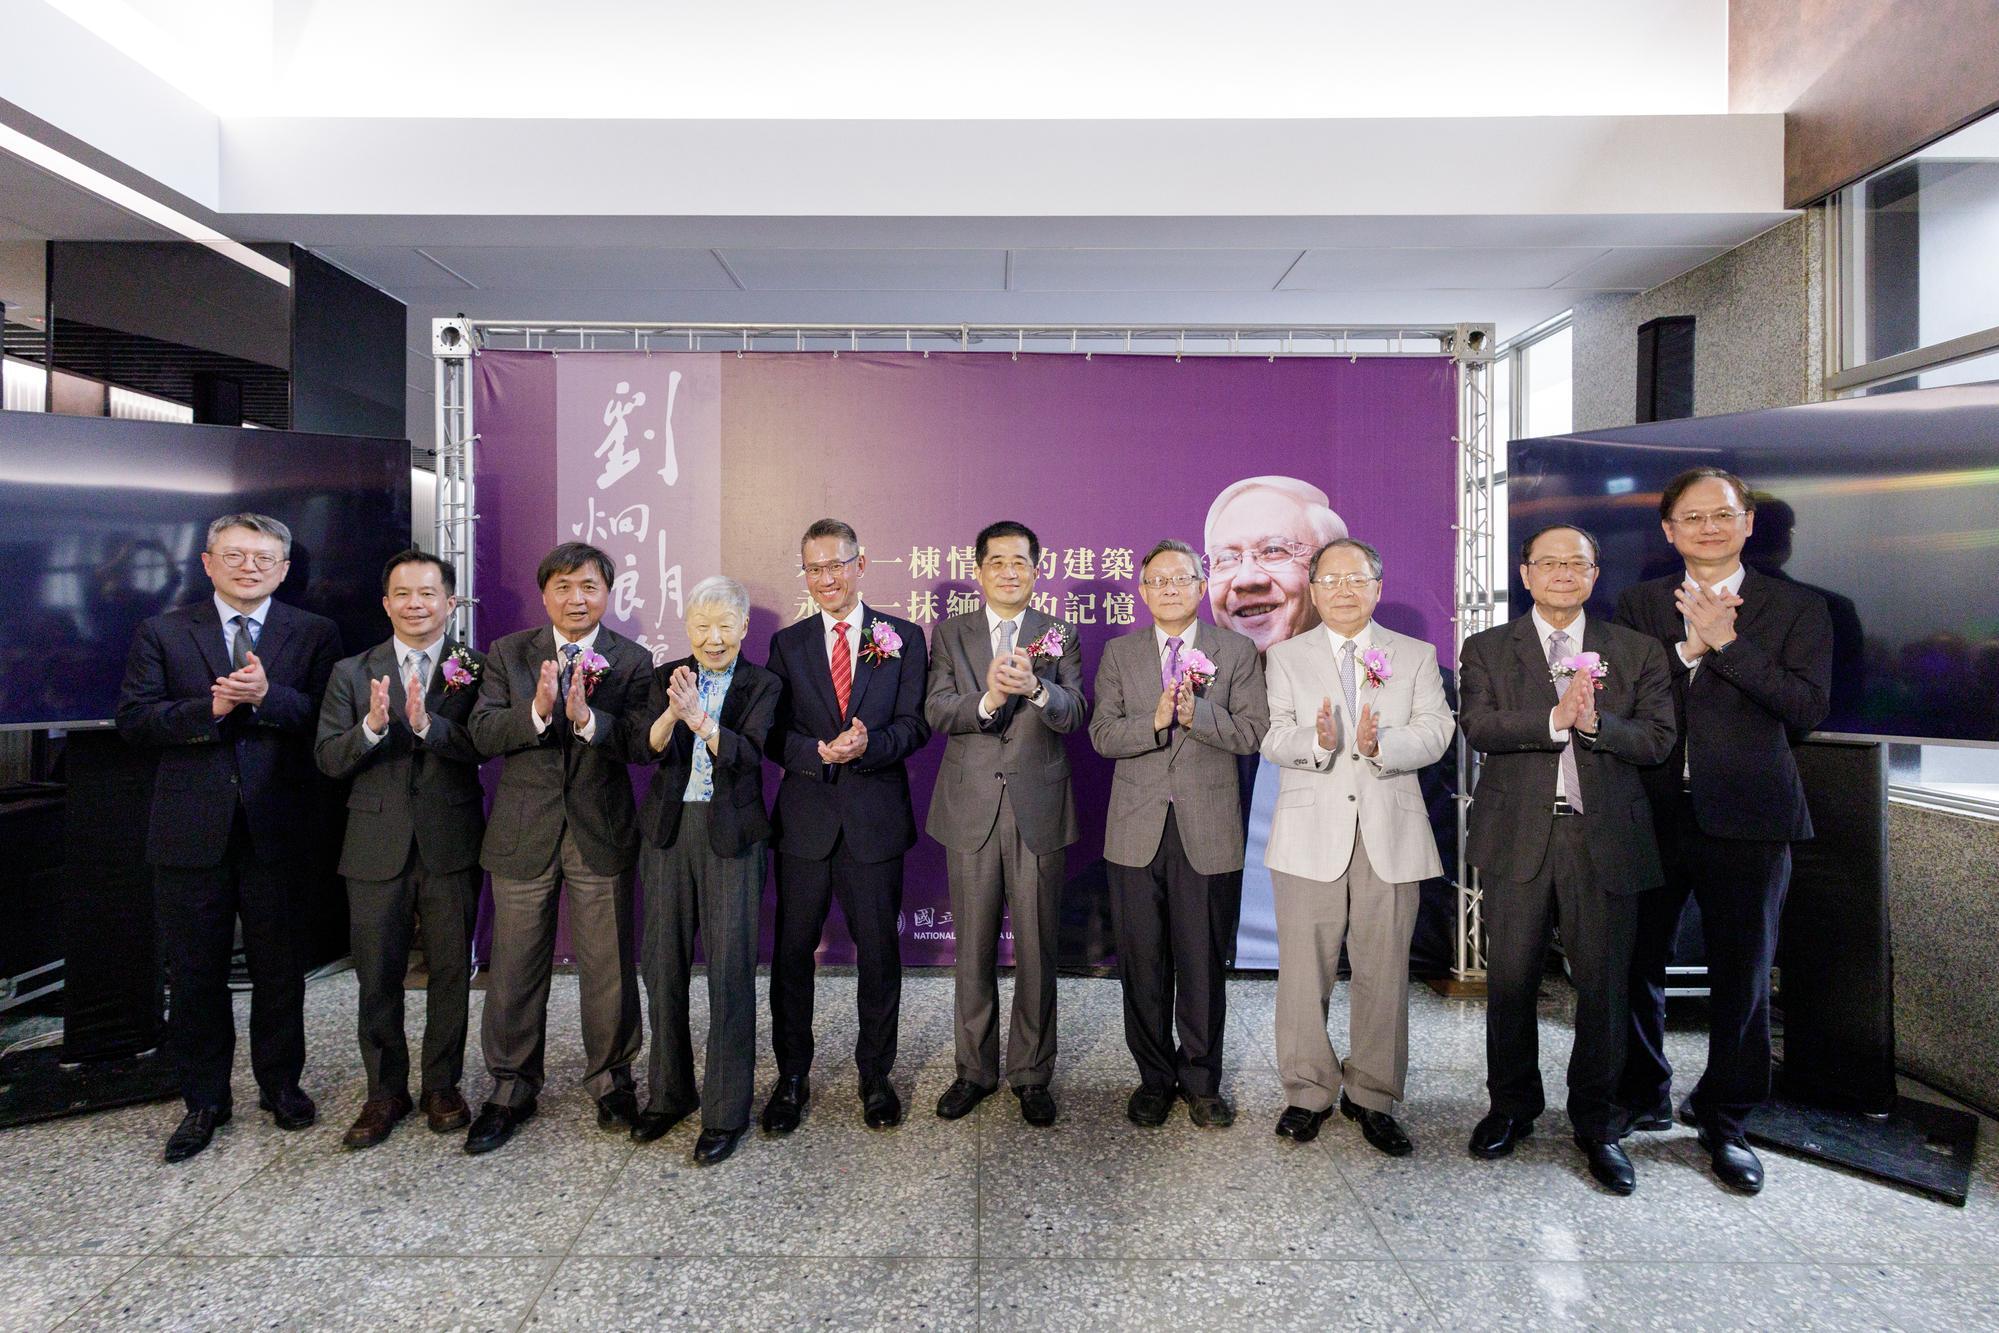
(1505, 692)
(552, 779)
(1019, 749)
(1195, 769)
(404, 788)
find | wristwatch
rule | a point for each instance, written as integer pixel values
(1040, 696)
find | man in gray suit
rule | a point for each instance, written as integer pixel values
(563, 821)
(394, 721)
(1006, 685)
(1561, 832)
(1177, 703)
(1355, 710)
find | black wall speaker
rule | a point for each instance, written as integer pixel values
(1666, 368)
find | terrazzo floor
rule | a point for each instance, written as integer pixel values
(984, 1223)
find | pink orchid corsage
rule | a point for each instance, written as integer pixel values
(1197, 669)
(595, 668)
(459, 670)
(1051, 645)
(881, 644)
(1591, 664)
(1375, 664)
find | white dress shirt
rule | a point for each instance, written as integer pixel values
(1545, 631)
(852, 620)
(404, 651)
(229, 613)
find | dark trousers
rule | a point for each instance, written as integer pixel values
(1006, 874)
(1174, 927)
(688, 891)
(1740, 887)
(870, 895)
(198, 908)
(1598, 929)
(381, 921)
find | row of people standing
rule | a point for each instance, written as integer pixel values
(1347, 716)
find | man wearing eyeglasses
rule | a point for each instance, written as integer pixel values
(1006, 685)
(228, 691)
(1177, 704)
(851, 714)
(1553, 835)
(1355, 710)
(1751, 662)
(1260, 535)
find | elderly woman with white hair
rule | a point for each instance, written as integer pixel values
(703, 830)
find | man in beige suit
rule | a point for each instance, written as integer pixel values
(1177, 702)
(1355, 710)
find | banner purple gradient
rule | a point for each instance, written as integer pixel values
(1101, 457)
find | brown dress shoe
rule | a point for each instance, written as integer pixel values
(378, 1117)
(444, 1110)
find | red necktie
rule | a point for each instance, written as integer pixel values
(843, 667)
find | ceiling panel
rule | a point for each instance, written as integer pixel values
(393, 268)
(35, 205)
(869, 270)
(1435, 270)
(1641, 267)
(584, 268)
(1094, 270)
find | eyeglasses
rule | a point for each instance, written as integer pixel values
(1549, 564)
(1341, 582)
(261, 561)
(826, 568)
(1158, 582)
(1270, 557)
(1721, 518)
(1006, 565)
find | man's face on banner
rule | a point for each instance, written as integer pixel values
(1257, 581)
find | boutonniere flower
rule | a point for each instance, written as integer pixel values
(1197, 669)
(459, 670)
(1375, 665)
(882, 643)
(1051, 645)
(595, 668)
(1591, 664)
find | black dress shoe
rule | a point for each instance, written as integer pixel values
(194, 1131)
(618, 1109)
(1209, 1111)
(1687, 1115)
(290, 1108)
(880, 1107)
(1609, 1165)
(1378, 1128)
(1300, 1125)
(495, 1124)
(1149, 1106)
(787, 1099)
(1736, 1164)
(715, 1145)
(959, 1099)
(653, 1124)
(1496, 1135)
(1653, 1121)
(1037, 1105)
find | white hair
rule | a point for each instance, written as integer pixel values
(259, 523)
(1326, 525)
(723, 591)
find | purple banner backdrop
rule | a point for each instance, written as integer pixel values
(1100, 456)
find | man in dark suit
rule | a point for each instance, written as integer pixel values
(1173, 841)
(852, 713)
(1006, 685)
(1751, 661)
(394, 721)
(1561, 835)
(227, 691)
(563, 822)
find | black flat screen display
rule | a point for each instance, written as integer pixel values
(1889, 505)
(102, 524)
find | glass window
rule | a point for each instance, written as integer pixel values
(1547, 385)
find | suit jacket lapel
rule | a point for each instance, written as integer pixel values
(1755, 597)
(381, 661)
(276, 633)
(817, 669)
(1534, 659)
(979, 647)
(864, 670)
(206, 626)
(434, 688)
